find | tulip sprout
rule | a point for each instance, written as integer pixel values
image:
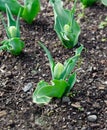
(66, 27)
(13, 44)
(62, 79)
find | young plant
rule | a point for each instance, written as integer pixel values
(87, 3)
(13, 44)
(66, 27)
(62, 79)
(28, 11)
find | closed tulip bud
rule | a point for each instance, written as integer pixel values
(66, 28)
(58, 70)
(67, 34)
(12, 31)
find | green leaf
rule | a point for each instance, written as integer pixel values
(10, 19)
(71, 82)
(70, 63)
(55, 90)
(41, 84)
(14, 6)
(31, 10)
(15, 46)
(3, 47)
(68, 67)
(12, 23)
(65, 18)
(87, 3)
(41, 99)
(79, 50)
(59, 12)
(43, 94)
(51, 61)
(104, 2)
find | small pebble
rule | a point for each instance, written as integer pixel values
(70, 127)
(27, 87)
(84, 128)
(105, 82)
(65, 99)
(88, 113)
(92, 118)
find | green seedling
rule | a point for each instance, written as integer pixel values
(13, 44)
(62, 79)
(28, 11)
(88, 3)
(66, 27)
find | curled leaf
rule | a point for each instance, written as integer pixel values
(15, 46)
(44, 92)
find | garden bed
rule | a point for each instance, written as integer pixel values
(86, 107)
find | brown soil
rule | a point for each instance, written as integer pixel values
(89, 95)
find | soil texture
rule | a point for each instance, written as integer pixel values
(86, 106)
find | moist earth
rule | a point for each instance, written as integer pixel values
(85, 108)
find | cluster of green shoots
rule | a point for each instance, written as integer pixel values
(62, 82)
(68, 31)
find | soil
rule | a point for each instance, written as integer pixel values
(86, 106)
